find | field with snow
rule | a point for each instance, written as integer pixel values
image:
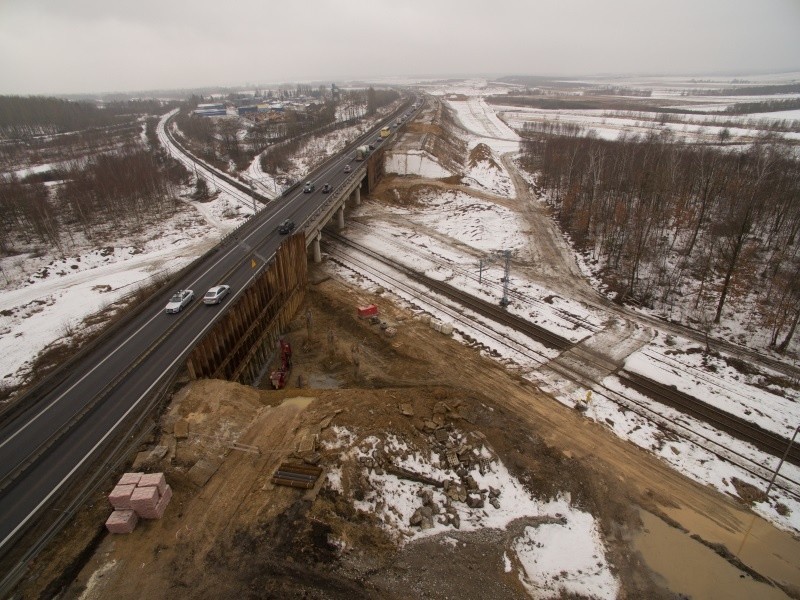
(446, 234)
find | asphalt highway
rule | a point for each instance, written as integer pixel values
(57, 439)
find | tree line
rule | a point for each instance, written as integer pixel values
(27, 116)
(108, 196)
(666, 220)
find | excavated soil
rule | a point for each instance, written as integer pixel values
(236, 535)
(240, 536)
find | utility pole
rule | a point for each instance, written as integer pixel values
(780, 464)
(505, 301)
(769, 487)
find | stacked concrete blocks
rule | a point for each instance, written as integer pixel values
(137, 495)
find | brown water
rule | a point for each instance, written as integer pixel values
(690, 568)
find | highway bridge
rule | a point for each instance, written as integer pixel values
(61, 433)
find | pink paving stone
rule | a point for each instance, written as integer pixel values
(128, 478)
(120, 496)
(161, 507)
(144, 500)
(122, 521)
(154, 479)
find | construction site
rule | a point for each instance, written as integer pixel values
(354, 446)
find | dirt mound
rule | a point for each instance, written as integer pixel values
(481, 153)
(401, 195)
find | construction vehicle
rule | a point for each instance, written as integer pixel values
(386, 132)
(361, 152)
(279, 376)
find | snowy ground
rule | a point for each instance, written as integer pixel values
(695, 453)
(448, 233)
(562, 552)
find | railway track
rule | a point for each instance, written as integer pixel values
(738, 428)
(495, 313)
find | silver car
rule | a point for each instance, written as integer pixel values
(179, 301)
(216, 294)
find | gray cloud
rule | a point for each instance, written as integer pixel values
(50, 46)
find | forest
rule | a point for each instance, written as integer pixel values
(26, 116)
(109, 195)
(672, 225)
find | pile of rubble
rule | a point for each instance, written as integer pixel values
(460, 455)
(137, 496)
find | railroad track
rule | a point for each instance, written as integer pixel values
(737, 427)
(493, 312)
(764, 441)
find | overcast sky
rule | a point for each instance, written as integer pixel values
(75, 46)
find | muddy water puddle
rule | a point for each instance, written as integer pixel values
(690, 568)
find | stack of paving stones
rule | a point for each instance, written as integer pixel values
(137, 496)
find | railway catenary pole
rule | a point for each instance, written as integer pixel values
(769, 487)
(780, 464)
(505, 301)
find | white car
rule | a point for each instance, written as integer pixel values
(347, 168)
(216, 294)
(179, 301)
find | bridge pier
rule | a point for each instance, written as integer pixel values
(340, 217)
(356, 196)
(317, 251)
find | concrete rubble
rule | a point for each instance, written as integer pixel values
(459, 455)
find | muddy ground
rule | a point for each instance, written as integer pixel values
(238, 535)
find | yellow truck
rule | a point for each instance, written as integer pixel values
(385, 132)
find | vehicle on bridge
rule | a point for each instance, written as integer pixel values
(362, 151)
(286, 227)
(179, 301)
(216, 294)
(309, 187)
(326, 189)
(386, 132)
(347, 168)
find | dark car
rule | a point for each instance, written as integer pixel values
(308, 187)
(371, 147)
(286, 227)
(326, 189)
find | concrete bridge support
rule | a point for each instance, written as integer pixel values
(340, 217)
(356, 196)
(317, 251)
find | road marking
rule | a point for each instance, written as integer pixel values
(111, 430)
(124, 342)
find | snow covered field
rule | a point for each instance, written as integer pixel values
(453, 230)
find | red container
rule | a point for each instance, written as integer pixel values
(367, 311)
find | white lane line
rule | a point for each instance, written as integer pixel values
(111, 430)
(124, 342)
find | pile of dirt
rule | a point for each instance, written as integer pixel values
(481, 153)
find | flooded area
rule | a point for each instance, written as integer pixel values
(694, 570)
